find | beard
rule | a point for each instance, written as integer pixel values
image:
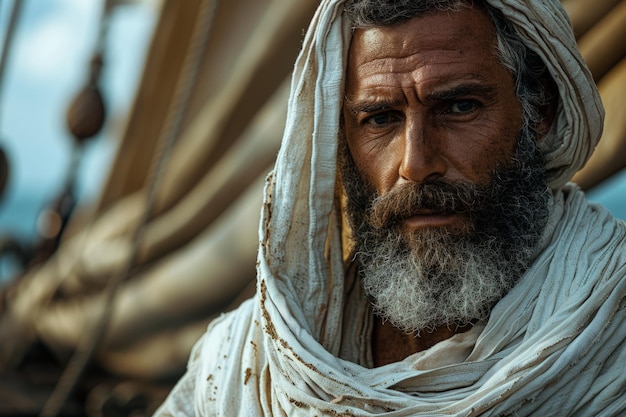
(420, 280)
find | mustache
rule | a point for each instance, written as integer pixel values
(440, 196)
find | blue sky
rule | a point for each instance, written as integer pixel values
(612, 194)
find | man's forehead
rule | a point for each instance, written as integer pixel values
(444, 22)
(459, 32)
(432, 53)
(447, 87)
(401, 36)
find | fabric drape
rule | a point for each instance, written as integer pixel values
(552, 347)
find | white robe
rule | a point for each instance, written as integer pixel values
(552, 347)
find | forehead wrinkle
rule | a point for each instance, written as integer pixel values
(419, 65)
(443, 86)
(465, 89)
(382, 64)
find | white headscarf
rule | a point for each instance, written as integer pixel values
(546, 29)
(279, 353)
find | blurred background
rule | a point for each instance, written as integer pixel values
(46, 66)
(134, 138)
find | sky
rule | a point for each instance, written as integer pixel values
(612, 194)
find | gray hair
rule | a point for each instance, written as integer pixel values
(528, 70)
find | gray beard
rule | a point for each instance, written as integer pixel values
(422, 280)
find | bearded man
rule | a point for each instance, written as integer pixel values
(469, 277)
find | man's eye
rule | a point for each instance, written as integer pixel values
(379, 119)
(463, 106)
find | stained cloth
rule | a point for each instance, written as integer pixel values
(552, 346)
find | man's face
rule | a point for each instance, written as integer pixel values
(428, 99)
(447, 194)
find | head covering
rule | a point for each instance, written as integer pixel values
(545, 28)
(301, 244)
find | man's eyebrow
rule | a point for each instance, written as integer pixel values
(463, 90)
(370, 106)
(375, 105)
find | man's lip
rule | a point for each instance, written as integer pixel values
(429, 218)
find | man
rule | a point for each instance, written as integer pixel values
(469, 278)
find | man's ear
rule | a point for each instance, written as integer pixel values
(549, 108)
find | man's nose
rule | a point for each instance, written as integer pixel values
(422, 159)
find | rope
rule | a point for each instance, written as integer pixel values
(166, 140)
(8, 38)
